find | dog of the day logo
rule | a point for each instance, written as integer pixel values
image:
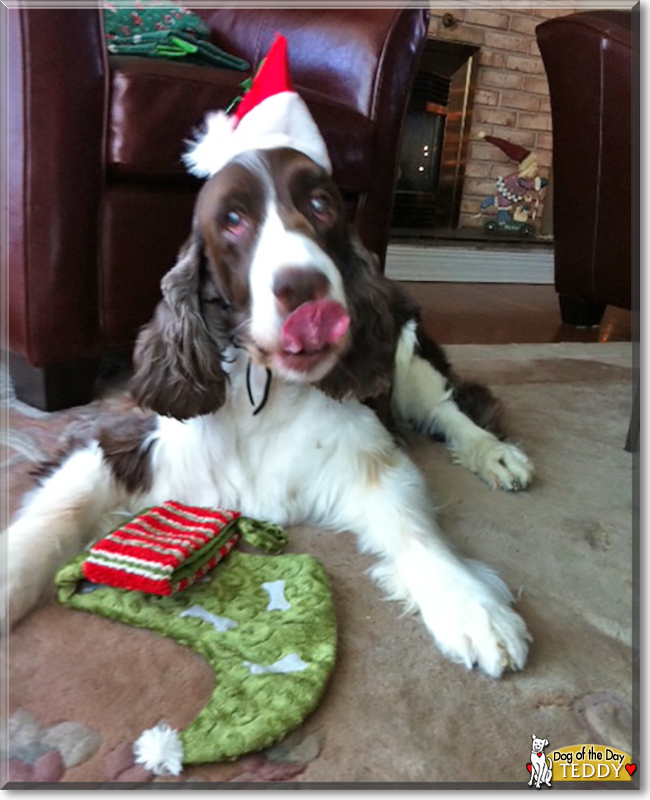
(577, 763)
(540, 767)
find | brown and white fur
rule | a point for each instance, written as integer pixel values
(269, 233)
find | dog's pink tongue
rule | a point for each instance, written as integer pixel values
(313, 326)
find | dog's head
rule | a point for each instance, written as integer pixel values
(271, 266)
(538, 744)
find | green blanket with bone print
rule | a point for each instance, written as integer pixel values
(266, 625)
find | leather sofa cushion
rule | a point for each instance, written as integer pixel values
(155, 105)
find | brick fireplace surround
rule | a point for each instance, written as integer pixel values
(511, 99)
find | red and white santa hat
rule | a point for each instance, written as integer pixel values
(271, 114)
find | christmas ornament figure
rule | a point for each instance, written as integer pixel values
(518, 194)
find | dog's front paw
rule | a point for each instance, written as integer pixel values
(491, 637)
(476, 626)
(502, 465)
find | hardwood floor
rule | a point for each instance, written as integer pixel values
(489, 313)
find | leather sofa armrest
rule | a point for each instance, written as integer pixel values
(614, 25)
(57, 96)
(341, 53)
(591, 107)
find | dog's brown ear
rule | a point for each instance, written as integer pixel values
(378, 308)
(177, 356)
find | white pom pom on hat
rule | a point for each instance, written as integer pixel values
(160, 750)
(271, 114)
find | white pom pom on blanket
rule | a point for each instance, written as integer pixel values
(160, 750)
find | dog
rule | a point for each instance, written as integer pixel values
(281, 365)
(540, 772)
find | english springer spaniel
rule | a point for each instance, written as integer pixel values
(280, 364)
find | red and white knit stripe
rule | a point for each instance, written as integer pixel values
(145, 553)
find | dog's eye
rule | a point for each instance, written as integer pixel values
(235, 223)
(321, 205)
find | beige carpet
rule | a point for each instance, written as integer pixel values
(82, 688)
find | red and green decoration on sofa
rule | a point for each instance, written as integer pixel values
(160, 29)
(518, 194)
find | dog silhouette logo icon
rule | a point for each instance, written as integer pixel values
(540, 766)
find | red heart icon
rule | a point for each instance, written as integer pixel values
(630, 768)
(529, 768)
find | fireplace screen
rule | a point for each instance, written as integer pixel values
(435, 140)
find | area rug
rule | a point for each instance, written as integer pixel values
(82, 688)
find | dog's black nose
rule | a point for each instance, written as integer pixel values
(294, 286)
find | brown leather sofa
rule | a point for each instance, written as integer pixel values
(589, 59)
(99, 202)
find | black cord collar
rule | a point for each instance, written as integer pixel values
(267, 388)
